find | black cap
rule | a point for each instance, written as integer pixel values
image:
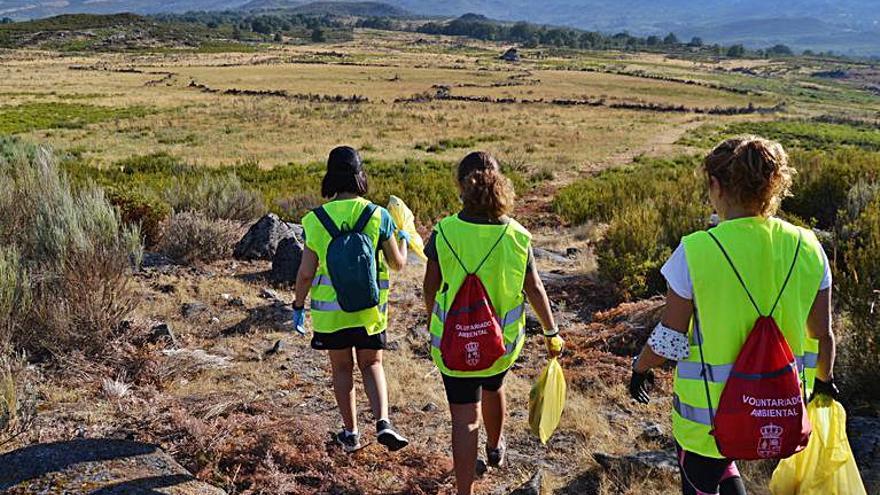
(344, 160)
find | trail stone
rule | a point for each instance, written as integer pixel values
(864, 439)
(98, 467)
(639, 465)
(192, 309)
(269, 294)
(285, 262)
(162, 333)
(544, 254)
(261, 240)
(277, 348)
(531, 487)
(430, 407)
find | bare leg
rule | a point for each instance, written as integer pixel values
(494, 408)
(465, 436)
(342, 363)
(370, 363)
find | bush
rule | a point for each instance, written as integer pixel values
(648, 208)
(65, 258)
(142, 210)
(18, 397)
(218, 198)
(190, 237)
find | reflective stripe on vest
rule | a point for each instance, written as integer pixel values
(719, 373)
(702, 415)
(334, 306)
(325, 280)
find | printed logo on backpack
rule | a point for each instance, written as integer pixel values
(761, 413)
(473, 338)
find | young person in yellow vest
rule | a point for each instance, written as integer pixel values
(750, 266)
(350, 245)
(480, 273)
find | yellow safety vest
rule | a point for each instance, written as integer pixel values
(762, 249)
(327, 315)
(503, 274)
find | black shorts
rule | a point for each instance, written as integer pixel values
(348, 338)
(707, 475)
(469, 390)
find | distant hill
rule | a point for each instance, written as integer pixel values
(846, 26)
(359, 9)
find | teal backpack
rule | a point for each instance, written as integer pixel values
(352, 262)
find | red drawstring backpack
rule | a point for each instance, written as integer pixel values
(472, 335)
(761, 413)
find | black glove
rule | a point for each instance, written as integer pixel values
(824, 388)
(640, 386)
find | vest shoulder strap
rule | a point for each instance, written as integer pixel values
(485, 258)
(743, 283)
(325, 219)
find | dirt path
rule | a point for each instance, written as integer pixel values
(536, 205)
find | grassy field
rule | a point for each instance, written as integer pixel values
(176, 129)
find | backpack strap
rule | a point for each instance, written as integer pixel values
(486, 258)
(365, 218)
(742, 282)
(324, 217)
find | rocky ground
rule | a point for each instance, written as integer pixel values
(216, 379)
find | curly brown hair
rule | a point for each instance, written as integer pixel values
(484, 189)
(753, 170)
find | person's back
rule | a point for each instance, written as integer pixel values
(762, 250)
(722, 282)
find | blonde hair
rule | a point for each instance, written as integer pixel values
(753, 170)
(484, 189)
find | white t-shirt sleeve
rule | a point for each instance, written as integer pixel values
(677, 274)
(826, 280)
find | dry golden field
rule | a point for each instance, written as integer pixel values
(191, 106)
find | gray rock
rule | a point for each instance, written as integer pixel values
(532, 487)
(98, 467)
(652, 431)
(392, 346)
(639, 465)
(278, 348)
(430, 407)
(261, 240)
(572, 252)
(544, 254)
(156, 260)
(864, 439)
(285, 263)
(162, 333)
(269, 294)
(192, 309)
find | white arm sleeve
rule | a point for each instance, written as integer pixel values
(677, 274)
(826, 280)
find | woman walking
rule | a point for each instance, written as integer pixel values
(750, 265)
(349, 236)
(485, 256)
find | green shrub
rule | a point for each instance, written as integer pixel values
(70, 251)
(217, 197)
(143, 210)
(632, 251)
(804, 134)
(192, 237)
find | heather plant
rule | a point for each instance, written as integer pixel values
(217, 197)
(192, 237)
(66, 257)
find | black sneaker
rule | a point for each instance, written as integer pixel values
(349, 441)
(497, 456)
(387, 436)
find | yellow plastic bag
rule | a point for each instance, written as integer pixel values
(547, 400)
(826, 466)
(406, 222)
